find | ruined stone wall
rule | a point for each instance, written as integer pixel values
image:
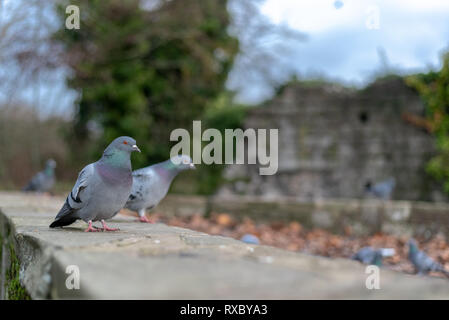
(333, 140)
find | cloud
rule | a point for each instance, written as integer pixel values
(411, 33)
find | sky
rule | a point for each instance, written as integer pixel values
(353, 40)
(346, 40)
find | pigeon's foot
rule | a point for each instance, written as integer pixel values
(90, 228)
(145, 219)
(106, 228)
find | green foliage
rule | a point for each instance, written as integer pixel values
(14, 289)
(434, 89)
(144, 73)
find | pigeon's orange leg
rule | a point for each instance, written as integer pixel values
(106, 228)
(145, 219)
(90, 228)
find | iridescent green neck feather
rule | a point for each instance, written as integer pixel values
(169, 165)
(49, 171)
(413, 248)
(116, 158)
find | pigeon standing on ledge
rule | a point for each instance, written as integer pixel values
(44, 180)
(382, 190)
(151, 184)
(369, 255)
(422, 262)
(102, 187)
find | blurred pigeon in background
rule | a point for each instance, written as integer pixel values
(382, 190)
(43, 181)
(369, 255)
(250, 239)
(151, 184)
(102, 187)
(421, 261)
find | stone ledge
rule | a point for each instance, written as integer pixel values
(156, 261)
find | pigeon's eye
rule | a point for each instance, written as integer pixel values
(125, 142)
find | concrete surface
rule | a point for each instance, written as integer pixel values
(155, 261)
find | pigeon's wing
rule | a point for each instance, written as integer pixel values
(35, 182)
(77, 198)
(423, 262)
(365, 255)
(380, 189)
(147, 171)
(385, 189)
(142, 179)
(430, 264)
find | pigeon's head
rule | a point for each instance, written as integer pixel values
(127, 144)
(412, 246)
(51, 164)
(183, 162)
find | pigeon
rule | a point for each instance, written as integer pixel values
(102, 188)
(381, 190)
(422, 262)
(151, 184)
(369, 255)
(43, 181)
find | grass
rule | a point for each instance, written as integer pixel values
(15, 291)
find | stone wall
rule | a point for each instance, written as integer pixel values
(362, 216)
(333, 140)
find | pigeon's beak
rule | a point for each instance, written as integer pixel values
(192, 166)
(136, 148)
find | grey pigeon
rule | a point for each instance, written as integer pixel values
(421, 261)
(102, 187)
(44, 180)
(151, 184)
(382, 190)
(369, 255)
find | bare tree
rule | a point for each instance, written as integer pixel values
(265, 48)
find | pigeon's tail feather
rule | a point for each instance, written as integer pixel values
(64, 221)
(445, 272)
(441, 269)
(64, 217)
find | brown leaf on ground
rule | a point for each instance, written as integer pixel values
(292, 236)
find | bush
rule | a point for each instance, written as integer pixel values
(434, 89)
